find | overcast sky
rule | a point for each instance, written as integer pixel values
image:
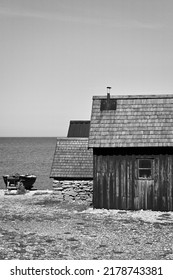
(56, 54)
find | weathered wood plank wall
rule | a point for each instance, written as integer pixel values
(117, 186)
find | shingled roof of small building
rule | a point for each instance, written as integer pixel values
(72, 159)
(79, 129)
(143, 120)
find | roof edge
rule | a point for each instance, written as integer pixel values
(79, 121)
(72, 138)
(74, 178)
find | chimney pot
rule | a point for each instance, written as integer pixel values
(108, 93)
(108, 89)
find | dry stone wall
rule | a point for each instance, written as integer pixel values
(74, 190)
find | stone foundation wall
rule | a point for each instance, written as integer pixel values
(74, 190)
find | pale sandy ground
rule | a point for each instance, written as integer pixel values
(37, 226)
(147, 216)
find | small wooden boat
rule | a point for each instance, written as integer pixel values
(12, 181)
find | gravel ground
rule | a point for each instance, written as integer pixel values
(37, 226)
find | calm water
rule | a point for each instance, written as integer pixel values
(27, 155)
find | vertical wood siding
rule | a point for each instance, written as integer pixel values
(116, 183)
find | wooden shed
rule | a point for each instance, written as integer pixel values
(132, 141)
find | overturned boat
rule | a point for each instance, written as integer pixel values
(13, 181)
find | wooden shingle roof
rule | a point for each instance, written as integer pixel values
(144, 120)
(72, 159)
(79, 129)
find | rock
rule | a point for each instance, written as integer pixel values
(70, 192)
(58, 189)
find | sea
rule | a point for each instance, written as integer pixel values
(27, 155)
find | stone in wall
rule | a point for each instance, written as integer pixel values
(73, 190)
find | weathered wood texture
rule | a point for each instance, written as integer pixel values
(117, 184)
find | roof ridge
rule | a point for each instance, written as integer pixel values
(76, 121)
(142, 96)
